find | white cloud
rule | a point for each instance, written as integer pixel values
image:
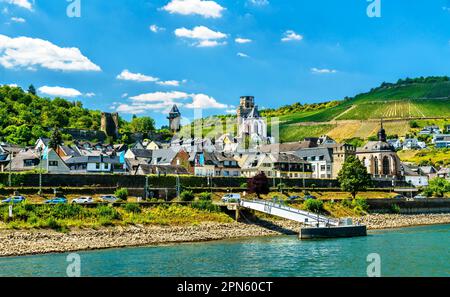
(205, 37)
(129, 109)
(259, 2)
(210, 43)
(25, 52)
(18, 20)
(156, 29)
(207, 9)
(21, 3)
(169, 83)
(89, 95)
(322, 71)
(204, 101)
(242, 40)
(290, 35)
(127, 75)
(124, 95)
(163, 101)
(199, 32)
(242, 55)
(160, 96)
(59, 91)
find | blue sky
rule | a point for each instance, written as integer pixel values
(141, 56)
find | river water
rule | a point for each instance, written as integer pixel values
(415, 251)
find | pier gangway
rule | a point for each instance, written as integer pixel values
(290, 213)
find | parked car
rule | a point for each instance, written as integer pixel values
(14, 199)
(399, 197)
(309, 197)
(83, 200)
(57, 200)
(420, 196)
(229, 198)
(109, 198)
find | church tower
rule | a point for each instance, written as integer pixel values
(174, 119)
(246, 104)
(382, 133)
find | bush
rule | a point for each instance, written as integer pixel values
(395, 208)
(205, 196)
(132, 207)
(205, 205)
(313, 205)
(187, 196)
(360, 205)
(122, 194)
(243, 186)
(108, 212)
(413, 124)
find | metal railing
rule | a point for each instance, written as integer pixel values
(315, 217)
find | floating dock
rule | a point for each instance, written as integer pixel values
(333, 232)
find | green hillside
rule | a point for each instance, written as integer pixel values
(409, 98)
(24, 117)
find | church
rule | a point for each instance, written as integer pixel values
(250, 123)
(380, 157)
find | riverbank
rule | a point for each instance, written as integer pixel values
(36, 241)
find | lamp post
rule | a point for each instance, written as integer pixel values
(146, 188)
(9, 165)
(40, 170)
(178, 185)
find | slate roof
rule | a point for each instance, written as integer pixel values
(142, 153)
(161, 169)
(94, 159)
(311, 153)
(163, 156)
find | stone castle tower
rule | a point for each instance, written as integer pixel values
(174, 119)
(110, 124)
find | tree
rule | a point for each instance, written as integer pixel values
(142, 125)
(32, 90)
(259, 184)
(437, 187)
(55, 139)
(353, 176)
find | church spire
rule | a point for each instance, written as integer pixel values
(382, 133)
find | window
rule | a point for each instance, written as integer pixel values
(322, 167)
(97, 165)
(53, 163)
(29, 163)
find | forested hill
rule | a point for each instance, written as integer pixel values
(24, 117)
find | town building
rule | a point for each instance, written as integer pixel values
(215, 164)
(321, 159)
(276, 166)
(441, 140)
(413, 176)
(430, 130)
(413, 144)
(96, 164)
(379, 157)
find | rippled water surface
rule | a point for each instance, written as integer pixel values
(417, 251)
